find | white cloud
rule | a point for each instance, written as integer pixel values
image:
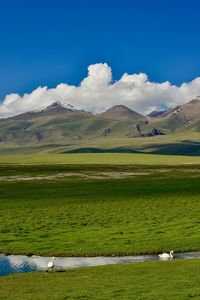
(99, 76)
(98, 92)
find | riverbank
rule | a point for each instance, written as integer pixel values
(172, 280)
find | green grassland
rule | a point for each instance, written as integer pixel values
(153, 207)
(174, 280)
(148, 213)
(177, 143)
(100, 158)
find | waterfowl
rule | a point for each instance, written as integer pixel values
(166, 255)
(51, 264)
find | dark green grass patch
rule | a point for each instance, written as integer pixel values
(40, 169)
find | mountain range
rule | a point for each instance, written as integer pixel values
(63, 128)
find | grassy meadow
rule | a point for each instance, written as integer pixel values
(156, 209)
(174, 280)
(99, 158)
(101, 204)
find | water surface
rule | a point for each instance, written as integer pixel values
(21, 263)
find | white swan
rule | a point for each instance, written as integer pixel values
(166, 255)
(51, 264)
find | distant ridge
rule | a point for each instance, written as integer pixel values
(189, 109)
(116, 112)
(164, 113)
(53, 109)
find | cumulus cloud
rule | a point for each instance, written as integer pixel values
(98, 92)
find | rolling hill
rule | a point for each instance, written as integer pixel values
(120, 112)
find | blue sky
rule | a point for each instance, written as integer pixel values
(48, 42)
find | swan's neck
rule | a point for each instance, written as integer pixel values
(171, 253)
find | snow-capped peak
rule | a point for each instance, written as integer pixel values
(57, 105)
